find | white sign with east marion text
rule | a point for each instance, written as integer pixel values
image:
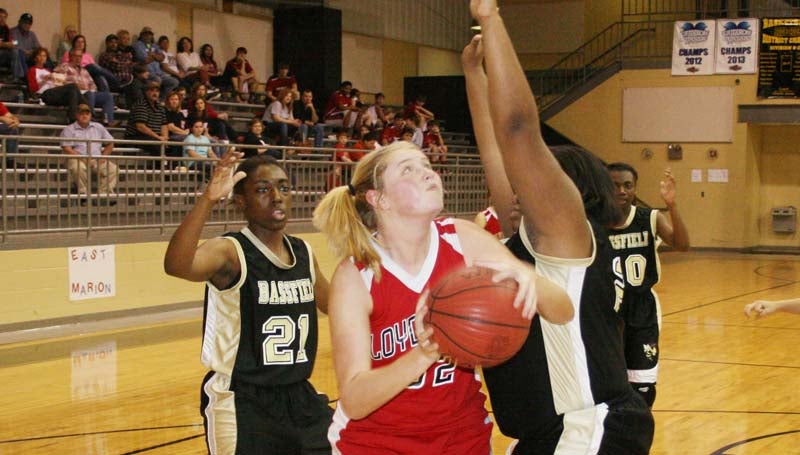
(693, 47)
(92, 272)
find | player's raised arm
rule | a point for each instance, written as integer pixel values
(184, 259)
(671, 230)
(553, 210)
(492, 160)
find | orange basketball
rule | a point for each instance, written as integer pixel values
(473, 319)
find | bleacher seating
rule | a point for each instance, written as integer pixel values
(38, 193)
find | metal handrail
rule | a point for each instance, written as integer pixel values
(39, 196)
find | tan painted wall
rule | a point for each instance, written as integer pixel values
(600, 14)
(34, 283)
(761, 161)
(399, 61)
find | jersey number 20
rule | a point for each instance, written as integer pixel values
(281, 332)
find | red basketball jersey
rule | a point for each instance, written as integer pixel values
(445, 398)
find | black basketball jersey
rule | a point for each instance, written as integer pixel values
(263, 329)
(635, 255)
(563, 368)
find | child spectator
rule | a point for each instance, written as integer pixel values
(392, 132)
(198, 145)
(256, 137)
(433, 142)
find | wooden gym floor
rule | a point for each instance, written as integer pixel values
(728, 385)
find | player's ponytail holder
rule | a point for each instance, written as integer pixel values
(351, 189)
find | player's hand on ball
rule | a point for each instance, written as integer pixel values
(526, 280)
(424, 333)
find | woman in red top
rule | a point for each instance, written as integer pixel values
(50, 88)
(201, 111)
(215, 75)
(396, 394)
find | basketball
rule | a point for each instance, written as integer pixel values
(473, 319)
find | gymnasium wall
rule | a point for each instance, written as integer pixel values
(761, 160)
(35, 283)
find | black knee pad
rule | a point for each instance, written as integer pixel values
(646, 390)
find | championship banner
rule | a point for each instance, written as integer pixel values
(737, 46)
(693, 48)
(779, 58)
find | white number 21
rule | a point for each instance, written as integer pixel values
(281, 332)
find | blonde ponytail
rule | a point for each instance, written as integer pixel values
(345, 216)
(338, 218)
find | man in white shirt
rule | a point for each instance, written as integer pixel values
(76, 133)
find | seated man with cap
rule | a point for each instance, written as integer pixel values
(25, 41)
(75, 135)
(9, 54)
(149, 53)
(148, 121)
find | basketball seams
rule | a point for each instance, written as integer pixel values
(460, 291)
(459, 346)
(479, 320)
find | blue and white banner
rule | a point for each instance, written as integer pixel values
(737, 46)
(693, 48)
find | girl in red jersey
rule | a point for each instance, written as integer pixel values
(396, 396)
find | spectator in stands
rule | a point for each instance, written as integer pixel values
(9, 126)
(9, 54)
(176, 123)
(407, 134)
(256, 137)
(417, 107)
(200, 91)
(75, 73)
(148, 121)
(52, 88)
(340, 110)
(434, 144)
(375, 117)
(135, 91)
(65, 45)
(147, 52)
(189, 62)
(201, 111)
(415, 122)
(306, 113)
(369, 142)
(104, 79)
(392, 132)
(170, 63)
(197, 145)
(241, 74)
(279, 117)
(181, 91)
(119, 63)
(339, 173)
(125, 43)
(25, 41)
(84, 128)
(215, 76)
(115, 60)
(280, 80)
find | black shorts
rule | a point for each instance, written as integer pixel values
(620, 427)
(245, 419)
(641, 313)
